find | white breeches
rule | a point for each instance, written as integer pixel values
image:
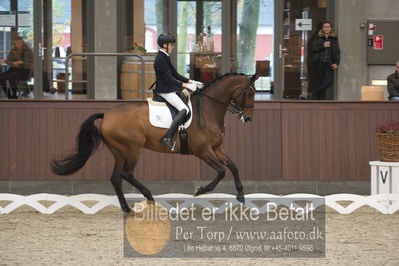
(174, 100)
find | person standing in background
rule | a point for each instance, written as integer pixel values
(309, 54)
(325, 60)
(393, 84)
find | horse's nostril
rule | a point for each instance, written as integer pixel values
(248, 119)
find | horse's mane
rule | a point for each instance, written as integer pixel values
(223, 76)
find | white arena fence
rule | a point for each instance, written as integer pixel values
(384, 203)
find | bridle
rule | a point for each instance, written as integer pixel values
(238, 109)
(235, 109)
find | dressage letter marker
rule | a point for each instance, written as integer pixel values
(384, 178)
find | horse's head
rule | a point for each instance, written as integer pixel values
(243, 99)
(234, 91)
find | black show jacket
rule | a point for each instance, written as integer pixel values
(168, 80)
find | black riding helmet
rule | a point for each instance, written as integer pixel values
(166, 38)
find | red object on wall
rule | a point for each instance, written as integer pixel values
(378, 42)
(207, 75)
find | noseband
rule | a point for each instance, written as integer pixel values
(236, 109)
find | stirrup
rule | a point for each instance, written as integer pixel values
(167, 142)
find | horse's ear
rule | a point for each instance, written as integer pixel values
(255, 77)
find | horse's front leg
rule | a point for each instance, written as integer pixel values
(234, 170)
(212, 160)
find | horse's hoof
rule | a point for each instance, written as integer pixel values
(198, 191)
(151, 199)
(241, 198)
(126, 210)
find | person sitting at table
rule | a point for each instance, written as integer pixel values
(19, 60)
(393, 84)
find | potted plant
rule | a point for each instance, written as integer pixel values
(388, 141)
(137, 48)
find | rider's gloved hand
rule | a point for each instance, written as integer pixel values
(190, 86)
(199, 84)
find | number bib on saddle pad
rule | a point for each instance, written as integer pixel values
(160, 115)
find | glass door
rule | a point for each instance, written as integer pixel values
(57, 36)
(199, 36)
(8, 19)
(27, 22)
(17, 21)
(38, 47)
(45, 27)
(292, 64)
(254, 42)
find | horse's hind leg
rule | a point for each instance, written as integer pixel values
(211, 159)
(116, 181)
(128, 175)
(137, 184)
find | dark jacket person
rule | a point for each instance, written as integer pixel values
(19, 60)
(393, 84)
(325, 59)
(167, 78)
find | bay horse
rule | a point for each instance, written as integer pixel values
(126, 131)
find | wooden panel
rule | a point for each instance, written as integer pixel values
(331, 141)
(286, 140)
(32, 133)
(156, 166)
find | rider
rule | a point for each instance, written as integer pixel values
(168, 82)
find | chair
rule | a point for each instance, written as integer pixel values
(22, 87)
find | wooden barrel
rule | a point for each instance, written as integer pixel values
(131, 77)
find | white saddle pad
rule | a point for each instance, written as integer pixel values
(160, 115)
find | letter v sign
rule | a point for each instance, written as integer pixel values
(384, 178)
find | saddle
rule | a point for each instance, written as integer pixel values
(172, 109)
(161, 114)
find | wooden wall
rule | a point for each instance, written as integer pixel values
(286, 141)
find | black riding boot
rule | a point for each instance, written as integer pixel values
(167, 140)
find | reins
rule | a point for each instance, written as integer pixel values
(231, 106)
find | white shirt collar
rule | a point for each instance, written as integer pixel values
(164, 52)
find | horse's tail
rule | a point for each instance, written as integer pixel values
(87, 141)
